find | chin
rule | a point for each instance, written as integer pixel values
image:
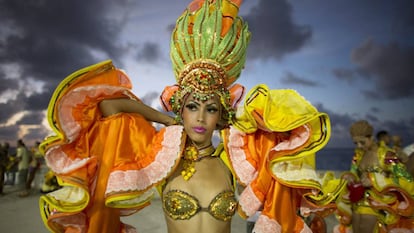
(199, 140)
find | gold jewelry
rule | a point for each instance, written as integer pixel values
(192, 155)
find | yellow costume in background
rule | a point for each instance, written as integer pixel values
(390, 199)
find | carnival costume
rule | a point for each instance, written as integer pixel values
(108, 167)
(390, 198)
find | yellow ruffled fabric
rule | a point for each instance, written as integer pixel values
(272, 147)
(390, 199)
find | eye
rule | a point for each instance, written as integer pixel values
(191, 106)
(212, 109)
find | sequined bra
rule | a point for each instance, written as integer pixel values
(180, 205)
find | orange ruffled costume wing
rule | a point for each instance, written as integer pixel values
(271, 148)
(107, 167)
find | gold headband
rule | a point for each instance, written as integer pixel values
(203, 76)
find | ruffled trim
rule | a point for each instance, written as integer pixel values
(265, 224)
(76, 97)
(298, 138)
(164, 163)
(60, 163)
(69, 111)
(244, 170)
(293, 173)
(249, 202)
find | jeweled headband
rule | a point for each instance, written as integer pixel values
(208, 52)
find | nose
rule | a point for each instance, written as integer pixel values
(200, 116)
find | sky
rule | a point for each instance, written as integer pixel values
(353, 59)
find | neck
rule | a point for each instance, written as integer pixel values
(206, 151)
(196, 153)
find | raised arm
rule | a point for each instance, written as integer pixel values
(113, 106)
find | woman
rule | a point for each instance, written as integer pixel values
(380, 191)
(108, 156)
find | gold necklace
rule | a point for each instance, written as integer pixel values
(192, 155)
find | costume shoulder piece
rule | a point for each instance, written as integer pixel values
(272, 146)
(106, 80)
(100, 160)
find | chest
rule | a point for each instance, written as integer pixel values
(210, 178)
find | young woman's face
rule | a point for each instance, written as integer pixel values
(200, 119)
(363, 142)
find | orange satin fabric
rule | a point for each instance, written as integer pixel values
(88, 148)
(280, 202)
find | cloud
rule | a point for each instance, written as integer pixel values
(9, 133)
(389, 66)
(150, 52)
(48, 38)
(42, 42)
(290, 78)
(274, 33)
(340, 124)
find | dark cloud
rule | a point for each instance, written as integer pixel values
(9, 133)
(32, 118)
(6, 83)
(48, 40)
(12, 107)
(38, 101)
(340, 124)
(274, 32)
(388, 66)
(150, 52)
(402, 24)
(35, 134)
(346, 75)
(290, 78)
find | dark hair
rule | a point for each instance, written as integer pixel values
(381, 134)
(20, 142)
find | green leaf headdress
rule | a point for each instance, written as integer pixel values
(208, 52)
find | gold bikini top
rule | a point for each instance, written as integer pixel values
(180, 205)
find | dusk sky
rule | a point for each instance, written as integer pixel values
(353, 59)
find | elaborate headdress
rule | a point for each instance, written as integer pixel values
(208, 52)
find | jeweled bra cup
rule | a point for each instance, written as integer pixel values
(180, 205)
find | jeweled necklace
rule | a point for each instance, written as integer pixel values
(192, 155)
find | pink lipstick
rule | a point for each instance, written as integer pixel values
(199, 129)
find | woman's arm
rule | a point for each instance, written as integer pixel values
(113, 106)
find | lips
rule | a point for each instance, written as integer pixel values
(199, 129)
